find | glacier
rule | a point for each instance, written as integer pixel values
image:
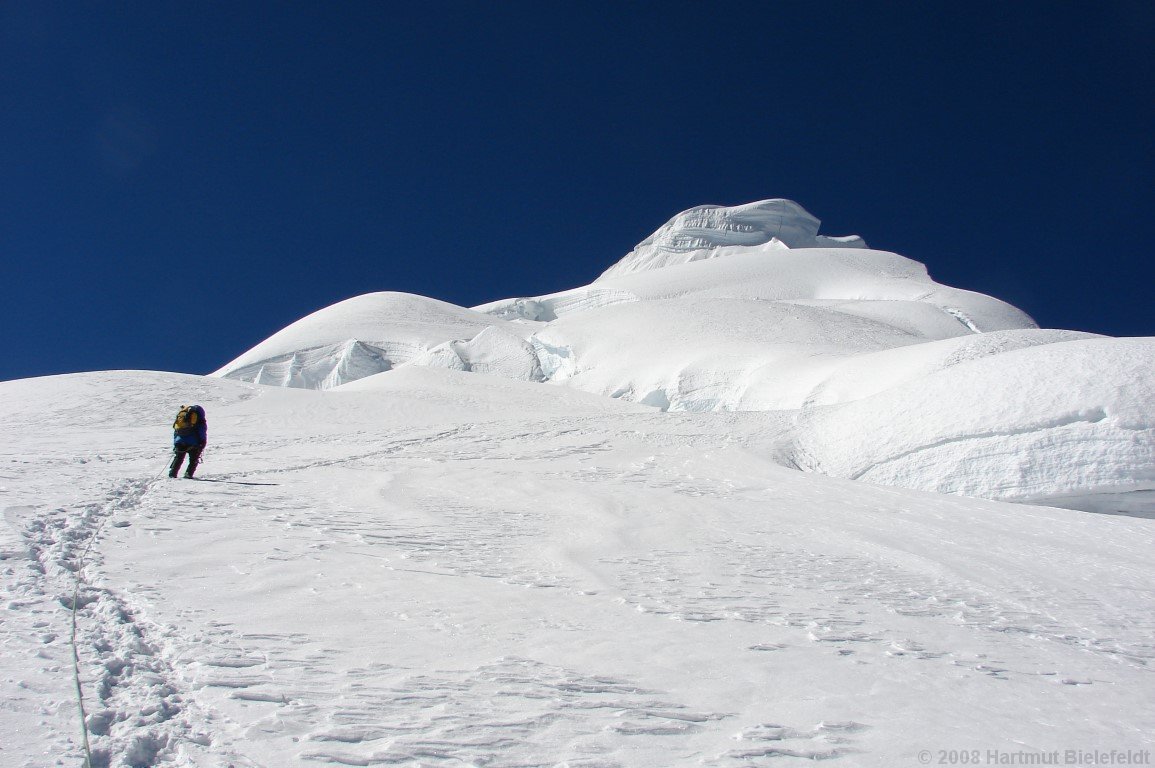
(887, 376)
(721, 507)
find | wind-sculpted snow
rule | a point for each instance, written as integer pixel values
(355, 338)
(494, 351)
(708, 354)
(749, 309)
(702, 232)
(547, 308)
(325, 367)
(1067, 423)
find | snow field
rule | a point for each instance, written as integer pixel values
(434, 567)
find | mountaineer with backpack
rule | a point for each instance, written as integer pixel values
(190, 434)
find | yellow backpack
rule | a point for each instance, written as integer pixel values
(187, 420)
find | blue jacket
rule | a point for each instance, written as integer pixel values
(198, 437)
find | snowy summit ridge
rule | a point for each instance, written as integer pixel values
(887, 375)
(697, 233)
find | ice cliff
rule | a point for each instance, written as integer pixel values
(699, 232)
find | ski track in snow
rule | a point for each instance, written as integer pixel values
(569, 531)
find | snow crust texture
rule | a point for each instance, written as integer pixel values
(890, 376)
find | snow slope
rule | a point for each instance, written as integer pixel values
(749, 309)
(435, 567)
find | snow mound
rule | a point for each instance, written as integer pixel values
(355, 338)
(1067, 424)
(697, 233)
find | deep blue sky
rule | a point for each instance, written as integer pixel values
(180, 180)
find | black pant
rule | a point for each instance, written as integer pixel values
(194, 458)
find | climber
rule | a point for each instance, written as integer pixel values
(190, 434)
